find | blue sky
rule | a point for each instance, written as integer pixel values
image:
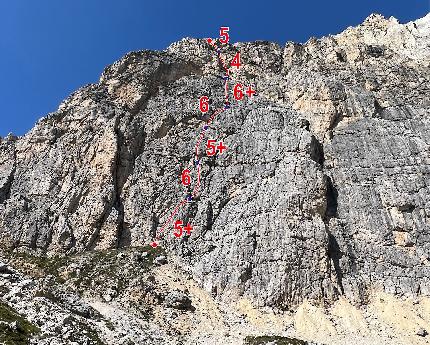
(49, 48)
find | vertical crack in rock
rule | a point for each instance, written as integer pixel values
(337, 118)
(335, 255)
(130, 139)
(333, 250)
(6, 188)
(155, 222)
(317, 151)
(248, 269)
(378, 109)
(209, 217)
(331, 197)
(119, 178)
(127, 154)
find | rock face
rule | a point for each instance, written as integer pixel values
(324, 189)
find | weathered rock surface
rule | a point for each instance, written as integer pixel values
(324, 189)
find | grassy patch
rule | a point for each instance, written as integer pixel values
(108, 265)
(90, 272)
(10, 336)
(262, 340)
(49, 295)
(45, 265)
(83, 333)
(94, 265)
(91, 334)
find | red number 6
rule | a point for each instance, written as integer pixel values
(238, 94)
(204, 105)
(185, 177)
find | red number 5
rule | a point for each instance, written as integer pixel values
(178, 227)
(223, 33)
(210, 148)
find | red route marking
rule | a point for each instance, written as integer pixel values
(223, 62)
(202, 134)
(170, 218)
(167, 211)
(154, 244)
(209, 40)
(197, 186)
(198, 144)
(220, 110)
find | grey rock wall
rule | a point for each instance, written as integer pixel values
(324, 188)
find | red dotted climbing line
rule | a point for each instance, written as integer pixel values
(191, 196)
(176, 210)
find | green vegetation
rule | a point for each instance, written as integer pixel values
(262, 340)
(113, 264)
(90, 333)
(14, 336)
(49, 295)
(45, 265)
(93, 271)
(94, 266)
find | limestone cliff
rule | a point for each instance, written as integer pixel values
(323, 194)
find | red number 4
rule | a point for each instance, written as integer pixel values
(236, 61)
(223, 33)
